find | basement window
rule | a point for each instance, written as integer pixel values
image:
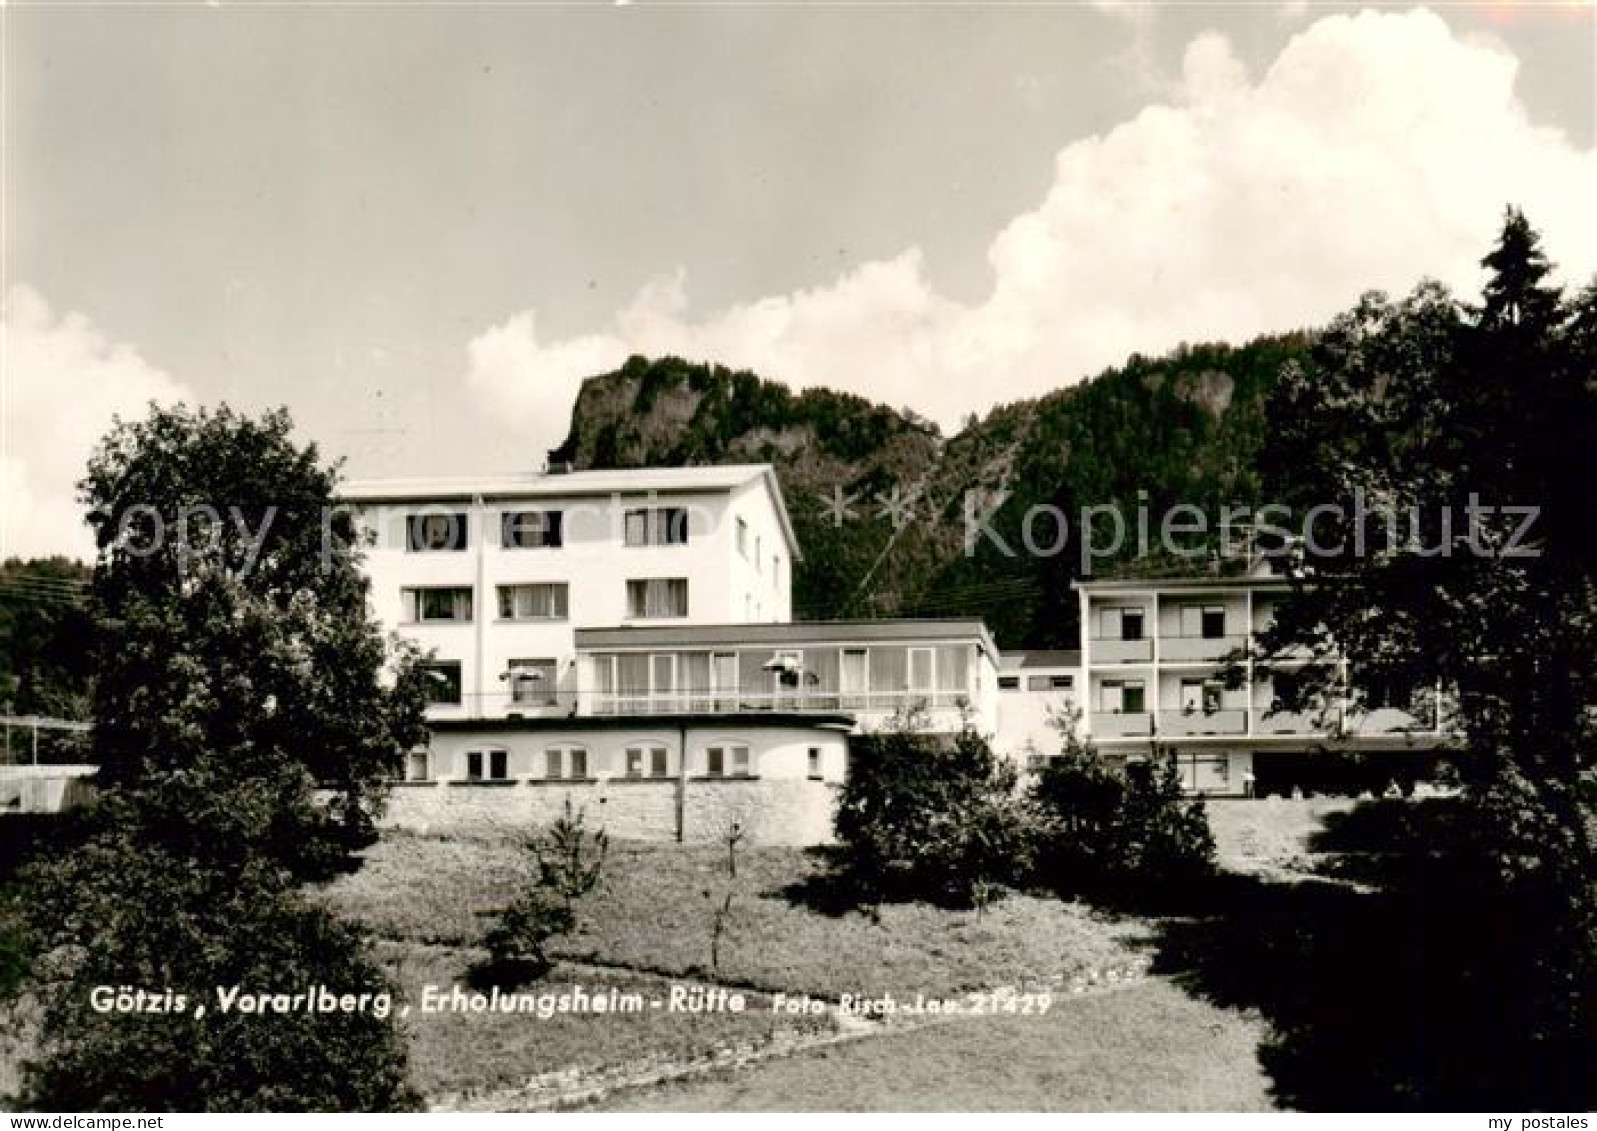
(487, 765)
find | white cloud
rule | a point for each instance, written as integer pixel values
(63, 381)
(1376, 149)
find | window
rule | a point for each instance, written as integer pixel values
(815, 763)
(1121, 622)
(787, 669)
(726, 761)
(724, 674)
(1009, 683)
(1048, 682)
(542, 601)
(1036, 763)
(922, 669)
(1121, 697)
(487, 765)
(427, 532)
(657, 597)
(1207, 621)
(1200, 773)
(437, 605)
(855, 675)
(418, 766)
(1300, 689)
(656, 526)
(653, 760)
(1389, 695)
(527, 530)
(442, 679)
(743, 537)
(569, 762)
(759, 552)
(1201, 695)
(532, 682)
(663, 673)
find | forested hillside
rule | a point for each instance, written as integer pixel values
(1181, 428)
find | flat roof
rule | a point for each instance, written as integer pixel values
(1191, 584)
(786, 632)
(719, 477)
(530, 484)
(1027, 659)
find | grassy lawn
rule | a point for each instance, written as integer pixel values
(1272, 834)
(1146, 1047)
(457, 1053)
(653, 915)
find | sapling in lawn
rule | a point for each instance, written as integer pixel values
(568, 864)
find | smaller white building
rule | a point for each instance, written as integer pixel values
(1038, 695)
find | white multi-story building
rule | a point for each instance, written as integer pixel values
(495, 576)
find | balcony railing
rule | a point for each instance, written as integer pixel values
(1188, 723)
(1118, 724)
(1198, 647)
(1122, 651)
(765, 700)
(1267, 723)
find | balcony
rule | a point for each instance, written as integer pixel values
(1121, 724)
(763, 700)
(1122, 651)
(1183, 648)
(1295, 722)
(1191, 723)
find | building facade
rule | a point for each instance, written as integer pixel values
(1167, 664)
(624, 640)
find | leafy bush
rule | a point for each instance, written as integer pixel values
(926, 816)
(237, 668)
(1122, 835)
(568, 863)
(125, 912)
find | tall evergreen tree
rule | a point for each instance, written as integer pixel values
(1459, 443)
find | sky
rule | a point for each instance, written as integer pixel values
(420, 227)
